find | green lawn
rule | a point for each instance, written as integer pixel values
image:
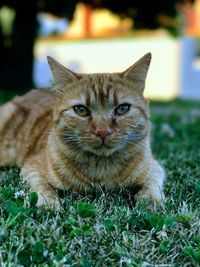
(106, 228)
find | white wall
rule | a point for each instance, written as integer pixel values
(190, 68)
(115, 55)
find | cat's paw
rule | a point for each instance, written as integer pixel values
(51, 202)
(149, 198)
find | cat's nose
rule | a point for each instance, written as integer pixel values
(103, 134)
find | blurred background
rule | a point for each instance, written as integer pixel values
(101, 36)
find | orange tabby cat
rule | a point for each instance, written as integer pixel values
(88, 130)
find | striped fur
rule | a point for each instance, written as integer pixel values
(59, 149)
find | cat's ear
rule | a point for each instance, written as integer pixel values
(60, 73)
(137, 73)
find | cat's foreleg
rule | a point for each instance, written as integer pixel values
(152, 189)
(39, 184)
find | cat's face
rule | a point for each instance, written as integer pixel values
(101, 113)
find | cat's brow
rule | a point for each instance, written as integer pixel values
(76, 101)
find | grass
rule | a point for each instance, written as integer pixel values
(106, 228)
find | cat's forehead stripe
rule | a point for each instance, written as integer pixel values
(115, 99)
(88, 100)
(103, 89)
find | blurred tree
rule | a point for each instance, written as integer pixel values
(16, 51)
(16, 48)
(146, 14)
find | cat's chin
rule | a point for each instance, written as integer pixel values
(102, 151)
(105, 149)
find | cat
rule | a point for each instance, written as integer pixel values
(88, 130)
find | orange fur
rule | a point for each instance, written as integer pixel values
(59, 148)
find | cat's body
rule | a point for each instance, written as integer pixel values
(89, 130)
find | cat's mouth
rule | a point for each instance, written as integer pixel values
(102, 149)
(102, 145)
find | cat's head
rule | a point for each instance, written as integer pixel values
(101, 113)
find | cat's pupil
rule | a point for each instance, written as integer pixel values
(122, 109)
(81, 110)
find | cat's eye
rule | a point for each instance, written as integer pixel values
(81, 110)
(122, 109)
